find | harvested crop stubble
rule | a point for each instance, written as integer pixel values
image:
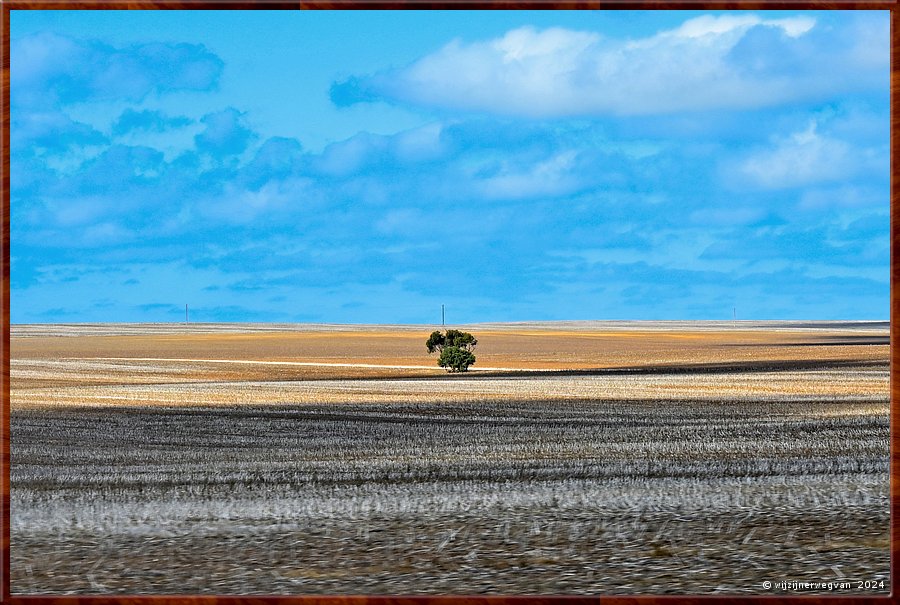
(589, 486)
(561, 347)
(701, 478)
(861, 384)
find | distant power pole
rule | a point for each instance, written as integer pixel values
(442, 316)
(185, 313)
(734, 315)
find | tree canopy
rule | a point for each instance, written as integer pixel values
(454, 348)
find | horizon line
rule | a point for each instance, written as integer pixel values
(475, 323)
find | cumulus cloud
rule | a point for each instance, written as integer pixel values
(121, 168)
(225, 133)
(808, 157)
(553, 176)
(49, 73)
(707, 25)
(147, 121)
(709, 62)
(365, 150)
(50, 132)
(279, 221)
(276, 159)
(48, 68)
(638, 203)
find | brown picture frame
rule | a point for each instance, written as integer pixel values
(10, 5)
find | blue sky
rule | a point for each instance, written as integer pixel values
(367, 167)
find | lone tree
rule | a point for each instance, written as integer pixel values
(455, 348)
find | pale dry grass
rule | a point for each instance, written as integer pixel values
(869, 386)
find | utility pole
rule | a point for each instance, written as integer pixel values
(185, 313)
(734, 316)
(442, 316)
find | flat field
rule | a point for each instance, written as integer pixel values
(574, 458)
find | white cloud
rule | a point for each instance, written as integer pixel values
(238, 205)
(419, 144)
(550, 177)
(518, 68)
(411, 146)
(345, 157)
(562, 72)
(802, 158)
(47, 68)
(706, 25)
(525, 44)
(868, 39)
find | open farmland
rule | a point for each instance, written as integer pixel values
(576, 458)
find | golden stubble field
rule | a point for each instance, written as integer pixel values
(44, 367)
